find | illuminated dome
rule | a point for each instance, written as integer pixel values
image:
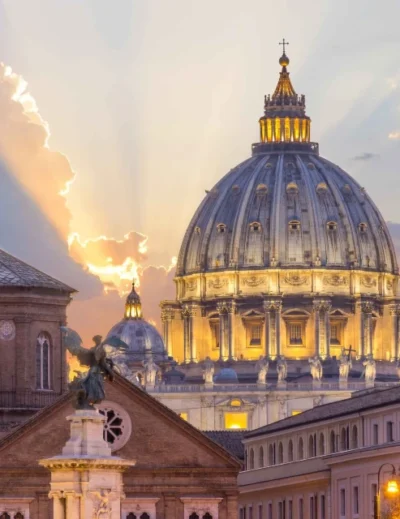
(143, 339)
(286, 255)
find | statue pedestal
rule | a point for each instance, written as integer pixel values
(343, 383)
(316, 384)
(369, 384)
(86, 480)
(282, 384)
(261, 385)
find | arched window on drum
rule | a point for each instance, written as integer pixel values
(43, 361)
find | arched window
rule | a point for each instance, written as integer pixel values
(331, 226)
(43, 352)
(332, 442)
(194, 516)
(321, 449)
(271, 460)
(261, 457)
(5, 515)
(131, 515)
(255, 227)
(354, 437)
(280, 453)
(18, 515)
(144, 515)
(207, 515)
(363, 227)
(311, 446)
(251, 459)
(290, 451)
(300, 450)
(294, 225)
(221, 228)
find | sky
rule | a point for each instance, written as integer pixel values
(117, 116)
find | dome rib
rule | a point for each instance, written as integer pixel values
(237, 203)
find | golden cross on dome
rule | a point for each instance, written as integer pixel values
(283, 42)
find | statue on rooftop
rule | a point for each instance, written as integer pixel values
(316, 368)
(208, 371)
(369, 372)
(262, 368)
(281, 368)
(90, 387)
(150, 372)
(345, 365)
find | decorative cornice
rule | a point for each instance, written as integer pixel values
(79, 464)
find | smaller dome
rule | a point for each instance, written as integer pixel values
(142, 338)
(226, 376)
(284, 60)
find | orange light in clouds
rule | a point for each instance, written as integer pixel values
(118, 275)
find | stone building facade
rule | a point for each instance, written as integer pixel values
(179, 472)
(33, 370)
(323, 463)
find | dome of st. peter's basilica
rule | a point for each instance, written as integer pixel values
(286, 255)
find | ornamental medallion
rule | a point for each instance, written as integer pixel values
(7, 330)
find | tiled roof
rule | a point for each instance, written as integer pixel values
(366, 400)
(16, 273)
(231, 441)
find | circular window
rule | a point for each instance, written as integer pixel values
(117, 427)
(7, 330)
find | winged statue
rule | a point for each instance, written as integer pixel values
(90, 387)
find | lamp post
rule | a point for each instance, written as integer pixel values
(392, 488)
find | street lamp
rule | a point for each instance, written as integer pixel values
(392, 488)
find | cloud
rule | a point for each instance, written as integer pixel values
(35, 223)
(366, 156)
(394, 135)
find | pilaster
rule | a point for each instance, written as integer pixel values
(322, 327)
(367, 308)
(272, 330)
(167, 314)
(395, 314)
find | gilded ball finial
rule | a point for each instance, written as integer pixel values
(284, 61)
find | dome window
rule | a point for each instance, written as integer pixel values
(268, 165)
(331, 226)
(292, 188)
(235, 189)
(221, 228)
(262, 189)
(255, 227)
(363, 227)
(294, 225)
(322, 187)
(197, 230)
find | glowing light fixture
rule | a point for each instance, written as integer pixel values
(392, 486)
(235, 420)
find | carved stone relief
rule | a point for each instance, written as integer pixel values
(253, 281)
(335, 280)
(368, 281)
(294, 278)
(217, 283)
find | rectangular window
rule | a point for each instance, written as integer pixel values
(235, 420)
(312, 508)
(290, 509)
(270, 511)
(260, 512)
(335, 333)
(355, 501)
(184, 416)
(241, 513)
(255, 331)
(389, 432)
(301, 508)
(374, 494)
(295, 333)
(215, 334)
(375, 434)
(280, 510)
(342, 502)
(323, 514)
(250, 512)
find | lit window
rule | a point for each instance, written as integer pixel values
(235, 420)
(184, 416)
(295, 333)
(255, 335)
(214, 325)
(235, 402)
(294, 225)
(43, 361)
(335, 333)
(197, 230)
(296, 412)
